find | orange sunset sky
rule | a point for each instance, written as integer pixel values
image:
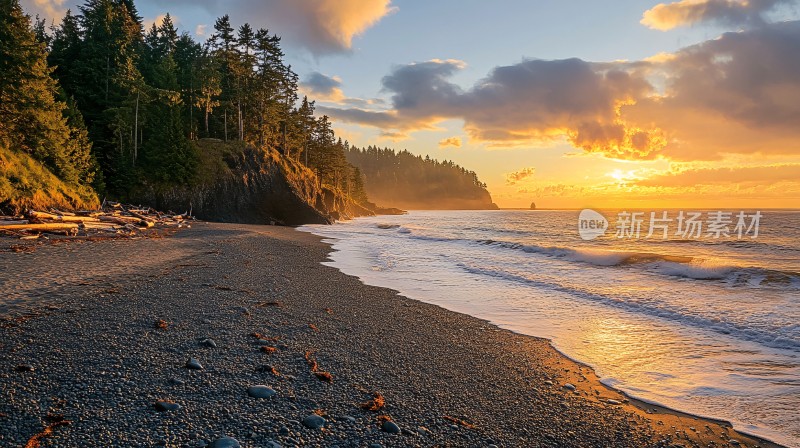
(694, 103)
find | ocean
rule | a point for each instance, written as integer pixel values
(705, 325)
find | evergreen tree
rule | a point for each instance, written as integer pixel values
(109, 86)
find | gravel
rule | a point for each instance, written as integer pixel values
(449, 380)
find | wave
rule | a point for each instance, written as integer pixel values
(769, 337)
(680, 266)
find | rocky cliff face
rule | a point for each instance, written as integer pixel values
(253, 186)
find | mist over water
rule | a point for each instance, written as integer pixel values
(706, 326)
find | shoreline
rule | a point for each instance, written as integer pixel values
(428, 362)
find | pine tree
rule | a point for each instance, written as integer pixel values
(65, 52)
(109, 86)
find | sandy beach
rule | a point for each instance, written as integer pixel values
(94, 334)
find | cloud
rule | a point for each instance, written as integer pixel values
(666, 16)
(758, 175)
(394, 136)
(322, 87)
(200, 30)
(320, 26)
(450, 141)
(52, 10)
(738, 94)
(533, 101)
(518, 176)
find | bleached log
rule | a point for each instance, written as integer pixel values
(40, 227)
(42, 216)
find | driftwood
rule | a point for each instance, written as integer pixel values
(42, 216)
(41, 227)
(113, 217)
(127, 220)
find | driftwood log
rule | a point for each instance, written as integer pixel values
(41, 227)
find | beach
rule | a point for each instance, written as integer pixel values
(93, 334)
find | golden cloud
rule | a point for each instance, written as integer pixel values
(450, 141)
(518, 176)
(666, 16)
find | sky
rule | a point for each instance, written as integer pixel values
(692, 103)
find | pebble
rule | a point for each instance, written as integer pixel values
(349, 418)
(314, 421)
(165, 406)
(208, 342)
(375, 445)
(260, 391)
(177, 381)
(614, 402)
(734, 442)
(273, 444)
(194, 364)
(569, 386)
(226, 442)
(24, 368)
(207, 321)
(284, 431)
(390, 427)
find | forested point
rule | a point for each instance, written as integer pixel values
(109, 107)
(409, 181)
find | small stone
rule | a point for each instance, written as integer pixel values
(569, 386)
(166, 406)
(613, 402)
(208, 342)
(194, 364)
(273, 444)
(548, 382)
(375, 445)
(24, 368)
(260, 391)
(734, 442)
(177, 381)
(284, 431)
(390, 427)
(207, 321)
(226, 442)
(314, 421)
(349, 418)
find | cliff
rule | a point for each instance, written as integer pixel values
(243, 184)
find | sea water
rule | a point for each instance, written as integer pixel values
(704, 325)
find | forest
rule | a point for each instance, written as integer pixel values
(111, 108)
(409, 181)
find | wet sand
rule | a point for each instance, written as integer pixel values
(79, 342)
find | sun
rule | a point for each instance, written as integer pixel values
(623, 177)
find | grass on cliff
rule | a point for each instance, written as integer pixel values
(26, 183)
